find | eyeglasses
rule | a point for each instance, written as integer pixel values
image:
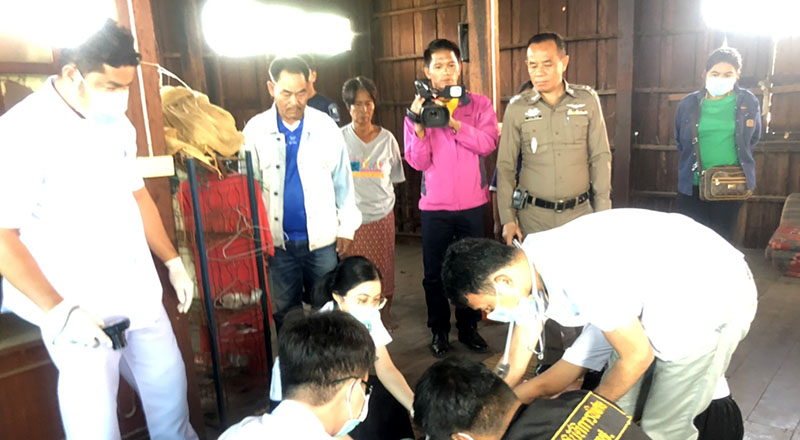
(377, 303)
(367, 387)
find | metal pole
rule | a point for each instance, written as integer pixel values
(212, 325)
(262, 279)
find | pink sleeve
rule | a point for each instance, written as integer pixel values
(417, 151)
(481, 138)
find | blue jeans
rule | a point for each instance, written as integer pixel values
(293, 270)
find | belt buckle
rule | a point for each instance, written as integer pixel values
(559, 203)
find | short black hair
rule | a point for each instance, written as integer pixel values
(440, 44)
(287, 64)
(112, 45)
(353, 85)
(550, 36)
(456, 395)
(468, 264)
(319, 352)
(310, 60)
(724, 55)
(348, 273)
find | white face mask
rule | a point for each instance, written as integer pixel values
(105, 107)
(351, 423)
(527, 313)
(718, 86)
(365, 315)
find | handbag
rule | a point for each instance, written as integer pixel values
(721, 183)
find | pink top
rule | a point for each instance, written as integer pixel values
(453, 173)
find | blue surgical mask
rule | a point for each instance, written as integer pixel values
(718, 86)
(351, 423)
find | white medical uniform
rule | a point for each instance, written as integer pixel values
(380, 337)
(67, 184)
(289, 420)
(692, 291)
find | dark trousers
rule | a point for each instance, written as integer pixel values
(439, 230)
(719, 216)
(294, 270)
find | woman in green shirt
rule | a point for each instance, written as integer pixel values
(726, 122)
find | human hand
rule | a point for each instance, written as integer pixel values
(343, 246)
(68, 323)
(181, 282)
(416, 104)
(510, 231)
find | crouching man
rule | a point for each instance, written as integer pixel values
(657, 285)
(325, 361)
(460, 399)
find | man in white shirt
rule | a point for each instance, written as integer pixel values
(77, 227)
(301, 160)
(325, 361)
(657, 285)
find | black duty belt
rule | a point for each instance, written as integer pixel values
(560, 205)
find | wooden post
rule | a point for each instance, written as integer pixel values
(159, 188)
(362, 43)
(484, 56)
(484, 48)
(192, 60)
(622, 138)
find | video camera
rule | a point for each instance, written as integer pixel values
(432, 114)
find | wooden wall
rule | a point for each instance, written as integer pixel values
(239, 84)
(672, 44)
(639, 89)
(401, 29)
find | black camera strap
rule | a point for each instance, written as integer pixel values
(413, 116)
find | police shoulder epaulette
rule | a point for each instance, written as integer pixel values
(583, 88)
(514, 99)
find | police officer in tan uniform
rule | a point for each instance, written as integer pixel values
(559, 130)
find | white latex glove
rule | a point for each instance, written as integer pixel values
(68, 323)
(182, 282)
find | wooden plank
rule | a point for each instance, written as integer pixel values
(553, 16)
(405, 44)
(430, 7)
(447, 20)
(427, 32)
(525, 22)
(484, 43)
(582, 17)
(607, 16)
(194, 71)
(586, 63)
(624, 103)
(159, 188)
(648, 61)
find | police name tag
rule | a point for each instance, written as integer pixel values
(533, 114)
(594, 418)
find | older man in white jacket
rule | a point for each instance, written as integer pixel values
(300, 156)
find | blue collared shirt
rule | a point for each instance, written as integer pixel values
(295, 225)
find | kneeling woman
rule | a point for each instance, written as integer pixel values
(354, 286)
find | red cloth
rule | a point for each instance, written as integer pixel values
(375, 241)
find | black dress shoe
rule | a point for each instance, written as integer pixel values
(440, 344)
(473, 341)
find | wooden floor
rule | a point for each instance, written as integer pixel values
(764, 374)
